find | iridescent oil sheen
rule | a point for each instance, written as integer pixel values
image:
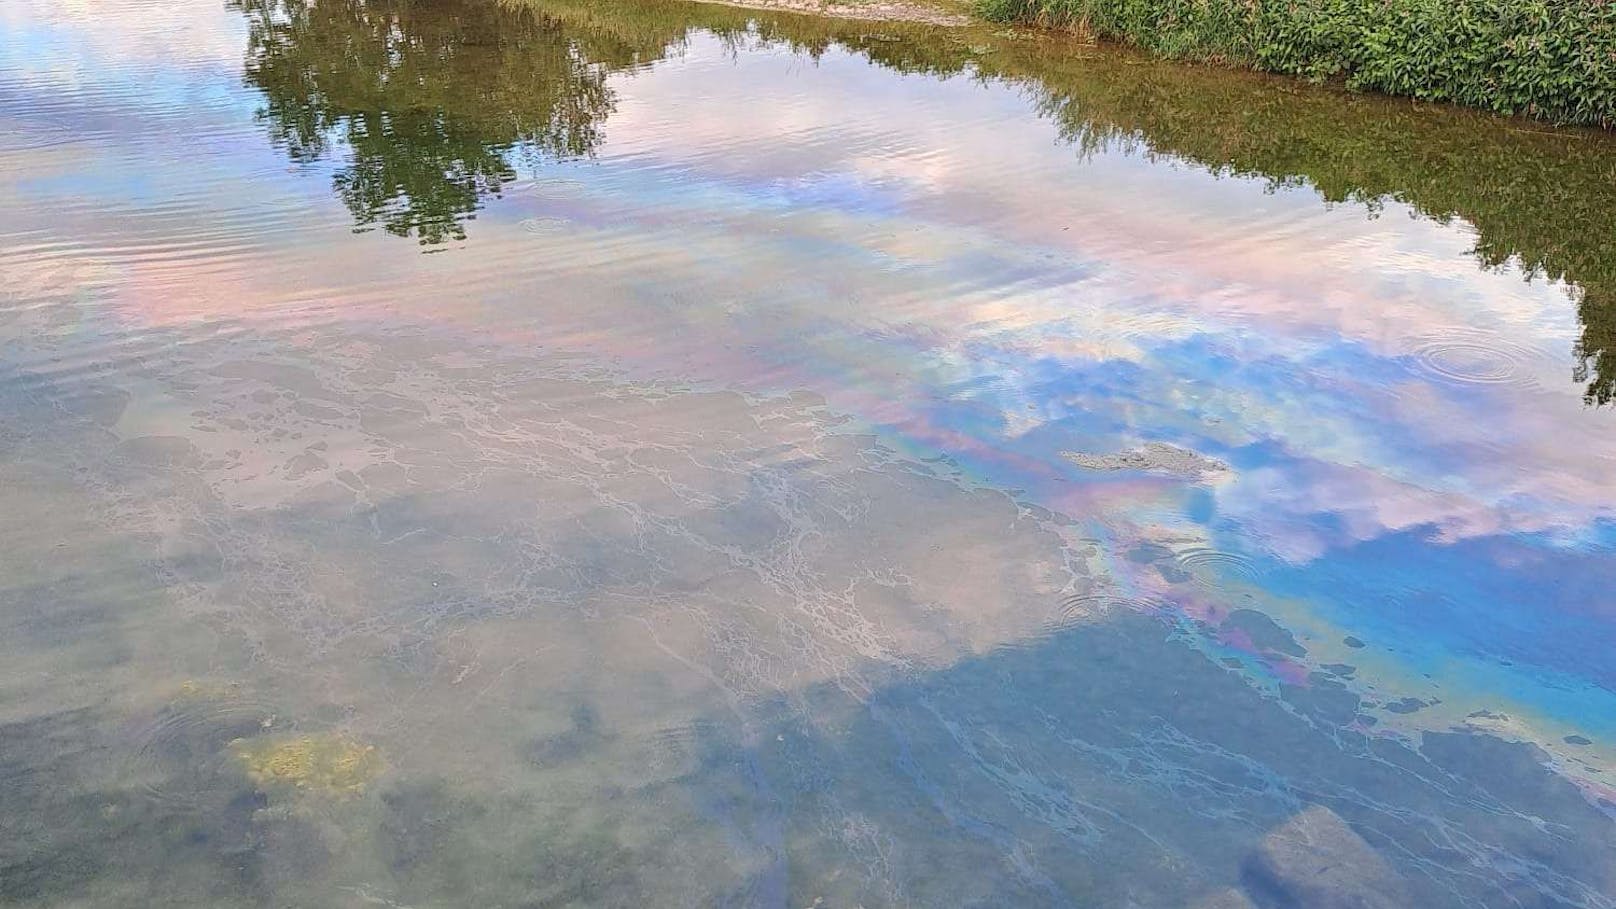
(632, 453)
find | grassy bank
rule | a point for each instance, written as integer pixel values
(1550, 59)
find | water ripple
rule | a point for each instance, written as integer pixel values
(176, 753)
(1090, 605)
(1217, 568)
(1473, 356)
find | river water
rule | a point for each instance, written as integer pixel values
(630, 453)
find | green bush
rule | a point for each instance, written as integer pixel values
(1551, 59)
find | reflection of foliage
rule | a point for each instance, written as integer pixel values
(434, 98)
(429, 99)
(1542, 200)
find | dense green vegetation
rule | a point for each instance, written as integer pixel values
(426, 109)
(1552, 59)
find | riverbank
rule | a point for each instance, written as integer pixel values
(1555, 64)
(921, 12)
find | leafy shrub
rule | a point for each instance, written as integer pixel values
(1551, 59)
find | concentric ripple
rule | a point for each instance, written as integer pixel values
(183, 752)
(544, 225)
(1469, 356)
(1216, 568)
(1092, 604)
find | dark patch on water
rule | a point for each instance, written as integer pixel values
(1327, 698)
(424, 836)
(1264, 632)
(1162, 559)
(583, 737)
(1108, 764)
(75, 619)
(1406, 705)
(69, 825)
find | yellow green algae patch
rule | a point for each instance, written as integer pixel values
(194, 690)
(326, 763)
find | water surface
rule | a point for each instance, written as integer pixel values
(622, 454)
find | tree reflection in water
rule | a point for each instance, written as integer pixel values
(431, 106)
(427, 102)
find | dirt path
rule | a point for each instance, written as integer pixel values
(870, 10)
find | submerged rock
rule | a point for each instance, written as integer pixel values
(1316, 860)
(1152, 457)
